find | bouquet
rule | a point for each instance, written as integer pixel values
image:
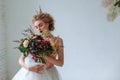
(37, 45)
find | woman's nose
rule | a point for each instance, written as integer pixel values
(38, 27)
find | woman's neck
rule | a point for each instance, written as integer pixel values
(47, 34)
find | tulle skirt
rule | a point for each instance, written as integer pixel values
(23, 74)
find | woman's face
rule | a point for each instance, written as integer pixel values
(40, 26)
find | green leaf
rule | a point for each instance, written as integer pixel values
(23, 49)
(117, 3)
(41, 59)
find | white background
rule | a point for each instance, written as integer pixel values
(91, 43)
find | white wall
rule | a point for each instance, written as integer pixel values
(3, 59)
(91, 43)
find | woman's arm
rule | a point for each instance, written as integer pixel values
(36, 68)
(60, 60)
(21, 62)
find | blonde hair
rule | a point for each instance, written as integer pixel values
(46, 18)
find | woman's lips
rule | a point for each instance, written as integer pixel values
(40, 31)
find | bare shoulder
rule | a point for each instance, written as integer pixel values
(60, 41)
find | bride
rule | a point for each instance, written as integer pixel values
(31, 70)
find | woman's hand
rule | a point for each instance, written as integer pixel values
(50, 56)
(48, 65)
(37, 68)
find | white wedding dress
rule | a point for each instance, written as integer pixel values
(23, 74)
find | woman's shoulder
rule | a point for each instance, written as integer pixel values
(59, 41)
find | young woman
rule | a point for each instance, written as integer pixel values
(43, 23)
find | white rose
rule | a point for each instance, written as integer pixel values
(25, 43)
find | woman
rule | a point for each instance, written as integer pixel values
(43, 23)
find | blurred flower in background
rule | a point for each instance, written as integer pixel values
(113, 7)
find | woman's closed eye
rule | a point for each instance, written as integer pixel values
(40, 25)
